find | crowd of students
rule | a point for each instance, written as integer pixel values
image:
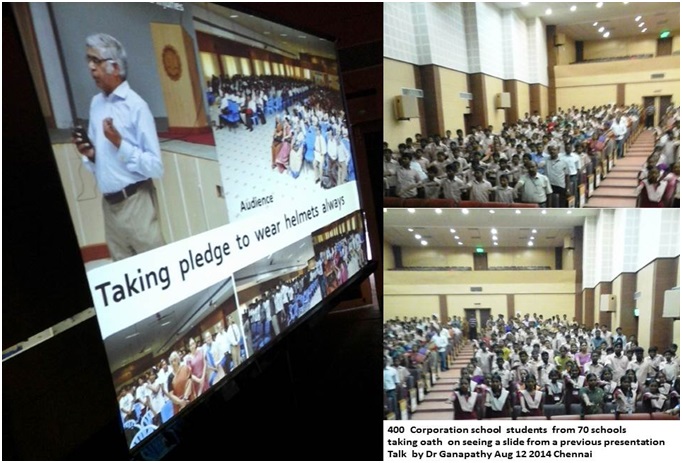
(153, 397)
(270, 313)
(310, 126)
(339, 259)
(535, 160)
(525, 364)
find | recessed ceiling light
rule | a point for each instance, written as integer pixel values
(266, 32)
(573, 8)
(569, 212)
(410, 210)
(282, 35)
(493, 231)
(410, 229)
(640, 24)
(534, 231)
(518, 211)
(424, 243)
(544, 211)
(418, 236)
(439, 211)
(385, 210)
(548, 11)
(460, 243)
(492, 211)
(638, 18)
(530, 243)
(524, 3)
(600, 4)
(452, 230)
(302, 37)
(495, 243)
(465, 211)
(645, 29)
(601, 29)
(606, 35)
(234, 16)
(532, 238)
(494, 237)
(595, 23)
(456, 237)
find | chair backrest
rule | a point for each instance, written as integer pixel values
(141, 434)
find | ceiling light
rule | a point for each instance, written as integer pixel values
(530, 243)
(410, 229)
(548, 11)
(234, 16)
(606, 35)
(638, 18)
(494, 238)
(302, 37)
(573, 8)
(525, 3)
(600, 4)
(534, 231)
(645, 29)
(282, 35)
(532, 238)
(492, 211)
(595, 23)
(452, 230)
(544, 211)
(460, 243)
(640, 24)
(439, 211)
(418, 236)
(456, 237)
(465, 211)
(410, 210)
(493, 231)
(518, 211)
(569, 212)
(266, 32)
(385, 210)
(424, 243)
(601, 29)
(495, 243)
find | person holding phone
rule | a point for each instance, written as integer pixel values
(121, 148)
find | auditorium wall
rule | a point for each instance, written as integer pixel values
(397, 75)
(534, 291)
(452, 84)
(590, 84)
(645, 285)
(614, 48)
(523, 98)
(457, 257)
(496, 117)
(188, 199)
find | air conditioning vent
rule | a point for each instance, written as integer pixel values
(658, 76)
(415, 92)
(476, 289)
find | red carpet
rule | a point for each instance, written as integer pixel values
(198, 138)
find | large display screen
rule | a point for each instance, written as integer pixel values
(206, 159)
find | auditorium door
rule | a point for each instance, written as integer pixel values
(482, 316)
(660, 102)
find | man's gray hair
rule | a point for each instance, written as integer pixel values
(109, 48)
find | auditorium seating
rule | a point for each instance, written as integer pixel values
(390, 201)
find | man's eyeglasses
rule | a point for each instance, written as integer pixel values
(95, 60)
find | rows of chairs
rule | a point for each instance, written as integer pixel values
(419, 383)
(391, 201)
(143, 424)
